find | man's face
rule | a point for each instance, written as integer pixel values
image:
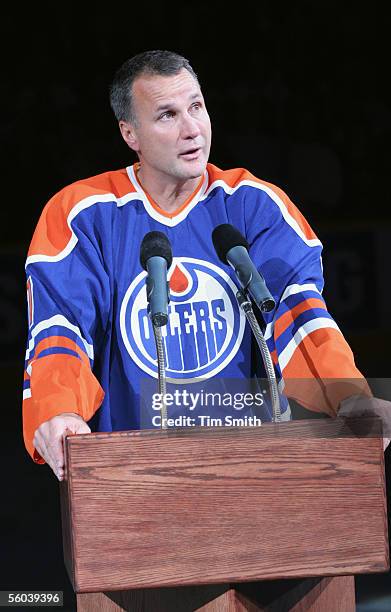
(172, 134)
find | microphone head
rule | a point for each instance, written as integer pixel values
(225, 237)
(155, 244)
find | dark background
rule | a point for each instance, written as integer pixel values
(298, 93)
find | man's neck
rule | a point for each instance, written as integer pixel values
(169, 196)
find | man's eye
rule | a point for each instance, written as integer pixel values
(166, 115)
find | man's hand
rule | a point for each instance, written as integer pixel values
(49, 438)
(357, 406)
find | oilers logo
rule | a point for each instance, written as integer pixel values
(205, 327)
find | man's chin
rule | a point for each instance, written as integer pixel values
(193, 169)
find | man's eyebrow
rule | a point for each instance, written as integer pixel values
(170, 104)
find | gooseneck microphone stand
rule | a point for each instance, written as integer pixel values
(161, 373)
(245, 304)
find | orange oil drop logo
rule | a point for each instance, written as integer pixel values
(178, 281)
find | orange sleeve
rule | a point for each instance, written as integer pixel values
(59, 383)
(322, 372)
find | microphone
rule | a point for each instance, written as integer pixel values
(156, 258)
(232, 248)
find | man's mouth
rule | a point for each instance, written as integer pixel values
(191, 153)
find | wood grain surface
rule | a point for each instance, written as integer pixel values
(182, 507)
(308, 595)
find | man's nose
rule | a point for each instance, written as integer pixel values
(190, 127)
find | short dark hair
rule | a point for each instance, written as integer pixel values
(165, 63)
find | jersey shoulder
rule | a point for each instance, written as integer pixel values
(53, 232)
(232, 180)
(112, 183)
(238, 177)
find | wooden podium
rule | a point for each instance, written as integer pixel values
(277, 517)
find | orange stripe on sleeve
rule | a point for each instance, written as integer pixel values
(287, 318)
(58, 384)
(61, 342)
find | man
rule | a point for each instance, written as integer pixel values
(90, 342)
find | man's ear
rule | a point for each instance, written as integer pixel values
(129, 135)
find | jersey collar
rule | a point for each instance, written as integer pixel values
(157, 213)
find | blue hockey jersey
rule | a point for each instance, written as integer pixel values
(90, 342)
